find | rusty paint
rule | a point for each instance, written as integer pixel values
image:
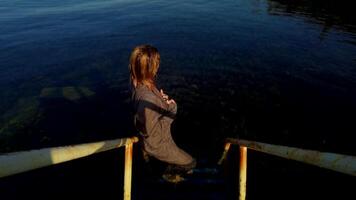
(243, 173)
(128, 171)
(254, 145)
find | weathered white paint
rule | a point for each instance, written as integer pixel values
(337, 162)
(17, 162)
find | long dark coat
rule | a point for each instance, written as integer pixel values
(153, 118)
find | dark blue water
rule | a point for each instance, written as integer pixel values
(277, 71)
(269, 70)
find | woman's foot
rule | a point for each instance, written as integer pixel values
(172, 178)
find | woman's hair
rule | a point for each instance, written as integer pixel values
(144, 63)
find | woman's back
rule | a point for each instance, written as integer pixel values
(153, 118)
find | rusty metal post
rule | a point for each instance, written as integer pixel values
(243, 173)
(128, 171)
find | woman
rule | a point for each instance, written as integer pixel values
(155, 112)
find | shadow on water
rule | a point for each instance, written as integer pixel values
(328, 13)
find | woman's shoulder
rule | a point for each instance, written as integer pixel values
(144, 93)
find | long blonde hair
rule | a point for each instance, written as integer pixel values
(143, 67)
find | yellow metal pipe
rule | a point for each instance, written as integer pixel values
(128, 171)
(243, 173)
(17, 162)
(337, 162)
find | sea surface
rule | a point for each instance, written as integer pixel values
(275, 71)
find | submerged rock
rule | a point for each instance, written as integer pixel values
(26, 126)
(70, 93)
(17, 122)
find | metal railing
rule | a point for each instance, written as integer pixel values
(18, 162)
(337, 162)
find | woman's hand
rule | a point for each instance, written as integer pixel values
(166, 98)
(170, 101)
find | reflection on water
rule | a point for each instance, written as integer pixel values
(330, 14)
(272, 70)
